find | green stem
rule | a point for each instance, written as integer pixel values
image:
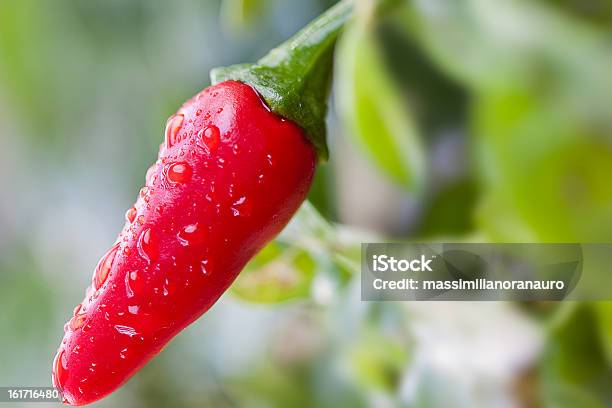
(294, 78)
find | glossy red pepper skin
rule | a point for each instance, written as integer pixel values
(230, 175)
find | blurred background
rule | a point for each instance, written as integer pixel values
(450, 120)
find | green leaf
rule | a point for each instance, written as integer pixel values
(604, 318)
(294, 78)
(597, 12)
(278, 273)
(574, 369)
(541, 94)
(568, 396)
(378, 361)
(544, 166)
(371, 108)
(518, 43)
(308, 250)
(240, 14)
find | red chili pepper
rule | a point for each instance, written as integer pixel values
(230, 175)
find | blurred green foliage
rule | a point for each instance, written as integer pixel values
(238, 15)
(370, 105)
(280, 272)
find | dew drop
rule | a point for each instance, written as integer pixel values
(198, 112)
(77, 321)
(141, 219)
(130, 215)
(166, 288)
(126, 330)
(144, 191)
(205, 266)
(104, 266)
(89, 291)
(173, 125)
(191, 235)
(122, 353)
(76, 349)
(60, 371)
(147, 245)
(133, 309)
(77, 309)
(150, 176)
(179, 173)
(241, 207)
(210, 136)
(128, 287)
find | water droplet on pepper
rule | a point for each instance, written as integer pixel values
(179, 173)
(77, 321)
(131, 283)
(241, 207)
(205, 266)
(211, 137)
(173, 125)
(104, 266)
(191, 235)
(60, 370)
(147, 245)
(126, 330)
(130, 214)
(150, 175)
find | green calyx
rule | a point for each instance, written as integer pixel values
(294, 78)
